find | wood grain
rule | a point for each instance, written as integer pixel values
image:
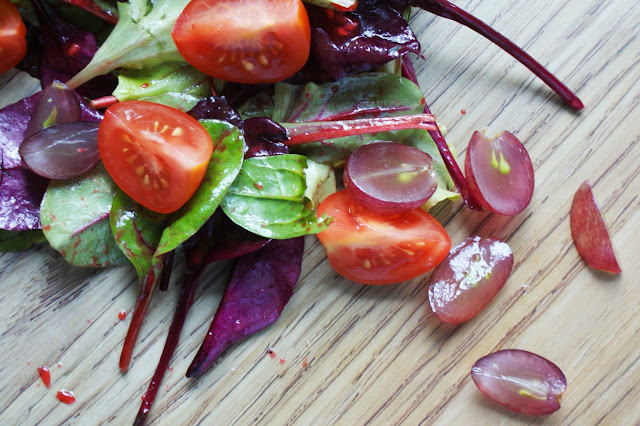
(376, 355)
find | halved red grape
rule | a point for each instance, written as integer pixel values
(589, 232)
(58, 104)
(499, 173)
(63, 151)
(469, 278)
(389, 177)
(520, 381)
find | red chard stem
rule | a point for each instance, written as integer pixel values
(447, 157)
(103, 102)
(447, 10)
(139, 311)
(300, 133)
(185, 301)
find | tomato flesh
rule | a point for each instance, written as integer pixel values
(13, 33)
(371, 248)
(244, 41)
(156, 154)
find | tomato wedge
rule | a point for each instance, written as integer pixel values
(156, 154)
(13, 36)
(244, 41)
(371, 248)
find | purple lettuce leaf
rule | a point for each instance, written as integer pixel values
(216, 108)
(21, 190)
(231, 240)
(67, 50)
(262, 135)
(261, 284)
(345, 43)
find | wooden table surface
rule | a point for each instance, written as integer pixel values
(377, 354)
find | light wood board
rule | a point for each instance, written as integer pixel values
(376, 354)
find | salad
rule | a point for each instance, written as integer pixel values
(226, 203)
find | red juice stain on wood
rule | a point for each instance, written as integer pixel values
(122, 315)
(59, 365)
(88, 320)
(305, 363)
(66, 396)
(45, 375)
(282, 360)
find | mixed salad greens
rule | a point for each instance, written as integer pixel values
(222, 141)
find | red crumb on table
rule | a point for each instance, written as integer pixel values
(271, 353)
(66, 396)
(305, 363)
(45, 375)
(282, 360)
(122, 315)
(463, 111)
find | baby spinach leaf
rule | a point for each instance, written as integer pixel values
(175, 84)
(321, 182)
(267, 198)
(137, 231)
(226, 161)
(75, 219)
(141, 38)
(20, 240)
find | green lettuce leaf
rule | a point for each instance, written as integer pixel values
(268, 198)
(175, 84)
(141, 38)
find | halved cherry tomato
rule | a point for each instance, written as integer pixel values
(156, 154)
(244, 41)
(13, 36)
(370, 248)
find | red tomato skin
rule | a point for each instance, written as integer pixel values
(213, 36)
(370, 248)
(156, 154)
(13, 36)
